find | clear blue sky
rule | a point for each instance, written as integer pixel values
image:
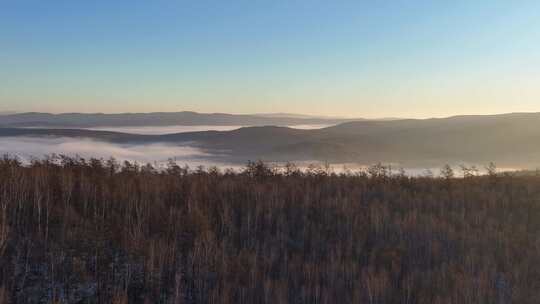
(347, 58)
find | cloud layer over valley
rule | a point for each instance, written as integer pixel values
(27, 148)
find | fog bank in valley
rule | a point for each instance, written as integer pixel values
(27, 148)
(158, 154)
(165, 129)
(156, 130)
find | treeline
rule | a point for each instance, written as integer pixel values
(93, 231)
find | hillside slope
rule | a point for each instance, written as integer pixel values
(511, 139)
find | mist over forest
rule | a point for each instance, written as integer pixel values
(415, 144)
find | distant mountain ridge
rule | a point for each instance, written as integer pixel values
(187, 118)
(510, 140)
(301, 116)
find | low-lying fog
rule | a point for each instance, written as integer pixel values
(28, 148)
(165, 129)
(180, 129)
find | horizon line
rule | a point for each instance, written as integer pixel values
(273, 114)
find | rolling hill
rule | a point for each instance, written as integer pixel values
(509, 139)
(84, 120)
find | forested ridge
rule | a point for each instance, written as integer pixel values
(93, 231)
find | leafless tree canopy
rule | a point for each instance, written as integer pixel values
(92, 231)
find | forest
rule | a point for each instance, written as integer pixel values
(76, 230)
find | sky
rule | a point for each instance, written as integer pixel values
(338, 58)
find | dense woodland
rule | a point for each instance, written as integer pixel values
(93, 231)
